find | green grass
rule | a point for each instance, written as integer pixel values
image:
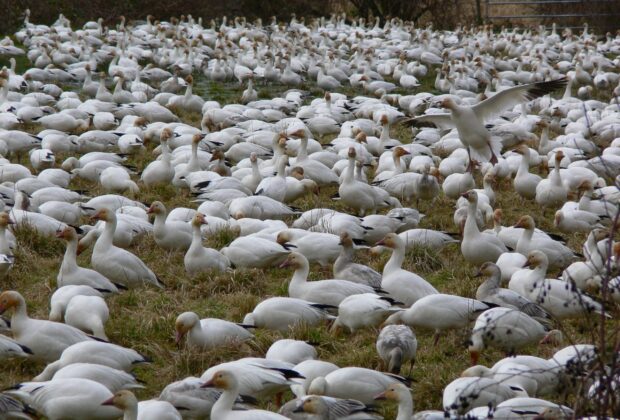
(143, 319)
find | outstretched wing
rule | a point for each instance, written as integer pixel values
(514, 95)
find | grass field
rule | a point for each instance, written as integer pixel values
(143, 319)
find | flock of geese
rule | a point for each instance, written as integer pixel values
(98, 95)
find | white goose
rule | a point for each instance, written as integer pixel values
(508, 329)
(72, 274)
(408, 286)
(117, 264)
(439, 312)
(282, 314)
(558, 254)
(396, 345)
(46, 339)
(198, 258)
(127, 402)
(228, 381)
(354, 382)
(169, 234)
(89, 314)
(478, 247)
(113, 379)
(400, 394)
(552, 192)
(209, 332)
(327, 292)
(67, 399)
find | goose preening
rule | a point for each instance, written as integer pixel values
(209, 332)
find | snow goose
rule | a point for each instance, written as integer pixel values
(209, 332)
(439, 312)
(160, 171)
(95, 352)
(117, 264)
(259, 207)
(46, 339)
(67, 399)
(400, 394)
(113, 379)
(169, 234)
(89, 314)
(490, 292)
(358, 195)
(572, 221)
(253, 251)
(525, 183)
(188, 395)
(354, 382)
(363, 311)
(396, 345)
(291, 351)
(11, 408)
(127, 402)
(344, 267)
(478, 247)
(275, 186)
(560, 299)
(469, 121)
(508, 329)
(552, 192)
(61, 297)
(228, 381)
(408, 286)
(327, 292)
(44, 225)
(326, 407)
(198, 258)
(282, 314)
(310, 369)
(10, 348)
(315, 246)
(558, 254)
(116, 179)
(72, 274)
(463, 394)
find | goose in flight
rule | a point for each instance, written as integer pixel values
(470, 120)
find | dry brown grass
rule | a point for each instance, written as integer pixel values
(143, 319)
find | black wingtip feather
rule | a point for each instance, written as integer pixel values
(544, 88)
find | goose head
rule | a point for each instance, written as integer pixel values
(448, 103)
(310, 187)
(396, 392)
(104, 214)
(522, 150)
(122, 400)
(68, 234)
(297, 172)
(391, 240)
(5, 220)
(294, 260)
(558, 217)
(399, 152)
(10, 299)
(199, 219)
(346, 240)
(361, 137)
(253, 157)
(166, 134)
(553, 337)
(536, 259)
(526, 222)
(352, 154)
(222, 379)
(217, 155)
(184, 323)
(471, 196)
(312, 404)
(498, 214)
(488, 269)
(157, 208)
(197, 138)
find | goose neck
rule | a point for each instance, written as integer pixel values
(396, 260)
